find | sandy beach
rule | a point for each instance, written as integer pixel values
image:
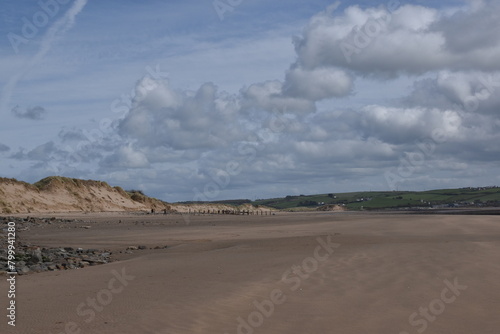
(250, 167)
(346, 273)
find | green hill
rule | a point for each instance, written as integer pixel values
(369, 200)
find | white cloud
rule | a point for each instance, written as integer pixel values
(273, 127)
(464, 91)
(317, 84)
(269, 96)
(199, 120)
(126, 157)
(401, 125)
(410, 39)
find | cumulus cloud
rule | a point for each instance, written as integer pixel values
(317, 84)
(281, 139)
(35, 113)
(389, 41)
(187, 120)
(474, 31)
(270, 96)
(465, 91)
(126, 157)
(402, 125)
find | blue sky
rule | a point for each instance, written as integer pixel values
(263, 99)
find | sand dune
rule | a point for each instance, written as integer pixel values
(61, 194)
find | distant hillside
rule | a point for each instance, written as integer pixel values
(369, 200)
(61, 194)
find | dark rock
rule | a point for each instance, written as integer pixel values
(32, 258)
(35, 255)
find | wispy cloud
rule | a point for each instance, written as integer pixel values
(54, 32)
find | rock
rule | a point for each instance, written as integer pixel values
(132, 248)
(32, 258)
(94, 262)
(142, 247)
(36, 268)
(48, 257)
(23, 270)
(35, 255)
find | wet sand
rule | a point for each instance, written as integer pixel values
(289, 273)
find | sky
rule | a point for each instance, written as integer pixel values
(248, 99)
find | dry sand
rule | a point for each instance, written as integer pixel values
(383, 270)
(60, 194)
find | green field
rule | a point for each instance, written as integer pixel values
(370, 200)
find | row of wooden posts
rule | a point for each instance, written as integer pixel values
(229, 212)
(223, 212)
